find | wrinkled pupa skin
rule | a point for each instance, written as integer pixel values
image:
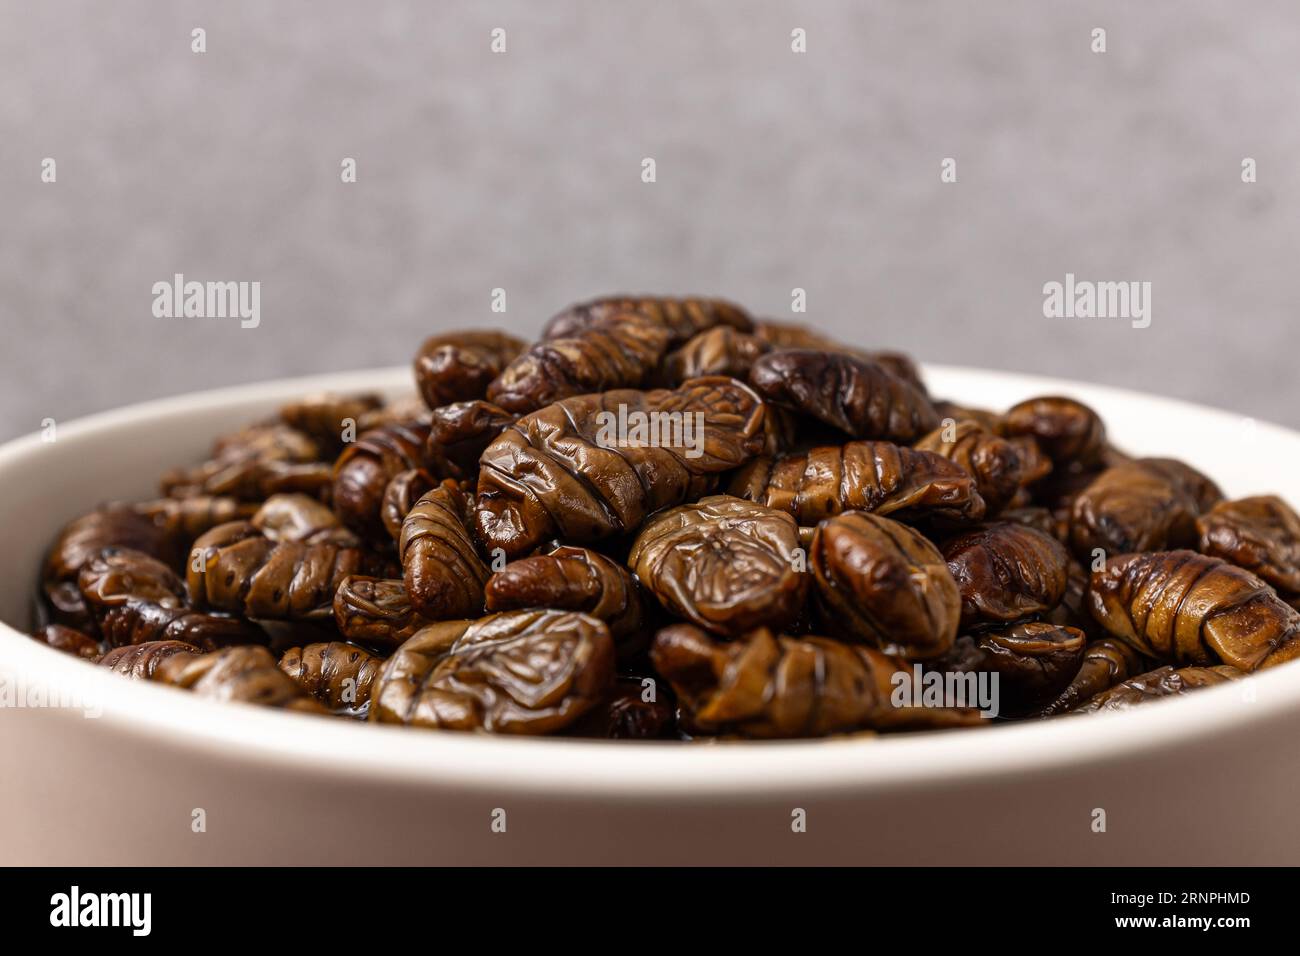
(235, 569)
(1193, 609)
(619, 351)
(401, 495)
(768, 686)
(875, 476)
(69, 640)
(459, 366)
(575, 579)
(555, 473)
(443, 574)
(882, 583)
(517, 672)
(1034, 662)
(458, 436)
(1150, 504)
(1001, 468)
(246, 675)
(723, 563)
(1006, 572)
(337, 674)
(1106, 662)
(376, 611)
(327, 418)
(854, 394)
(85, 537)
(681, 316)
(1157, 685)
(299, 517)
(253, 463)
(135, 599)
(721, 350)
(1260, 534)
(1068, 431)
(362, 473)
(140, 661)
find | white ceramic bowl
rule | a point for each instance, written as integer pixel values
(1210, 778)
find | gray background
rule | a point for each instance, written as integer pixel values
(522, 171)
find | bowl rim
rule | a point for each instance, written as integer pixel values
(620, 769)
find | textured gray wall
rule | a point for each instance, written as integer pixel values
(522, 171)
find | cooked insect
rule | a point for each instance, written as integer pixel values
(329, 418)
(1146, 505)
(882, 583)
(375, 611)
(135, 599)
(458, 435)
(338, 675)
(784, 336)
(1070, 432)
(965, 563)
(252, 463)
(459, 366)
(789, 335)
(620, 351)
(298, 517)
(575, 579)
(1189, 608)
(572, 470)
(400, 497)
(681, 317)
(786, 432)
(1000, 467)
(856, 395)
(1038, 518)
(1157, 684)
(726, 564)
(519, 672)
(310, 478)
(900, 365)
(878, 476)
(636, 709)
(1260, 534)
(721, 350)
(69, 640)
(443, 573)
(184, 519)
(245, 674)
(988, 420)
(236, 569)
(1005, 572)
(114, 526)
(1106, 662)
(766, 686)
(139, 661)
(363, 471)
(405, 409)
(1033, 661)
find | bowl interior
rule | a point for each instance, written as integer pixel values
(120, 454)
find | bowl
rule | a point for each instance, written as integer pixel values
(102, 770)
